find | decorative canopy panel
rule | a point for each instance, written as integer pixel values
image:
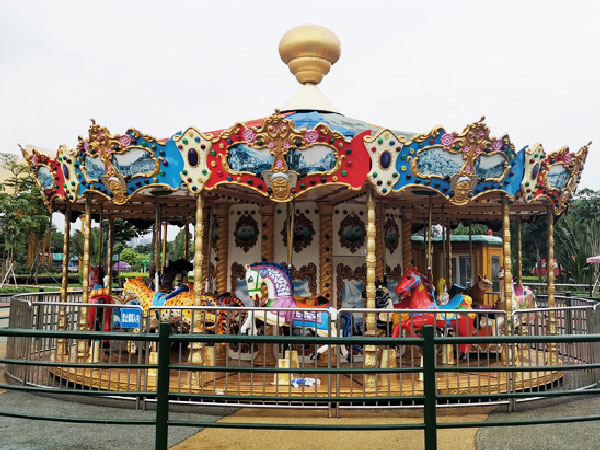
(284, 156)
(307, 154)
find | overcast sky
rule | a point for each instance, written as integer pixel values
(533, 68)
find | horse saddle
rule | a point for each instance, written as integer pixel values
(314, 301)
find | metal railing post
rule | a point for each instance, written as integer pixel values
(429, 388)
(162, 386)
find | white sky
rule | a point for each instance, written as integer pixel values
(533, 68)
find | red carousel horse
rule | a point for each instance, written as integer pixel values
(415, 296)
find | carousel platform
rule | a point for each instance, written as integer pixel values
(248, 385)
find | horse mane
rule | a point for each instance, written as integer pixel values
(261, 265)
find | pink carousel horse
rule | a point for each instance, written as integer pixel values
(415, 296)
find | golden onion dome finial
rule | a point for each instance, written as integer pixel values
(309, 51)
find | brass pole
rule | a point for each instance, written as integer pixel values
(109, 253)
(326, 251)
(444, 262)
(371, 325)
(507, 258)
(186, 243)
(406, 239)
(449, 239)
(164, 248)
(198, 232)
(99, 262)
(222, 213)
(62, 321)
(380, 268)
(519, 252)
(156, 245)
(552, 356)
(49, 246)
(82, 344)
(429, 254)
(471, 265)
(208, 234)
(290, 233)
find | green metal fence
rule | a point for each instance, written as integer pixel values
(429, 369)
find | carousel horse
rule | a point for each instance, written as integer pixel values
(174, 268)
(385, 320)
(279, 287)
(477, 291)
(98, 295)
(522, 298)
(418, 298)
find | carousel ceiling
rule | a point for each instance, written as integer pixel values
(308, 155)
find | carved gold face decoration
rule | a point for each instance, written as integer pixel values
(281, 188)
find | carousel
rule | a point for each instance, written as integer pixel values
(302, 225)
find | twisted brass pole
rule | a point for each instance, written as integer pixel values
(552, 356)
(198, 226)
(326, 251)
(379, 241)
(371, 325)
(267, 245)
(109, 252)
(507, 256)
(222, 212)
(519, 252)
(406, 239)
(62, 321)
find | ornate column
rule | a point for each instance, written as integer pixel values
(186, 242)
(519, 252)
(198, 235)
(62, 321)
(508, 279)
(49, 246)
(109, 253)
(552, 356)
(371, 325)
(380, 242)
(206, 247)
(156, 244)
(267, 243)
(222, 212)
(164, 248)
(508, 350)
(449, 240)
(99, 254)
(81, 343)
(406, 239)
(326, 251)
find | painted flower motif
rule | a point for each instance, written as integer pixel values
(278, 164)
(249, 136)
(447, 139)
(311, 136)
(86, 146)
(109, 170)
(467, 149)
(35, 159)
(478, 150)
(271, 144)
(286, 145)
(568, 158)
(468, 169)
(497, 145)
(125, 140)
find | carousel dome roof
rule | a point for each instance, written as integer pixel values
(309, 151)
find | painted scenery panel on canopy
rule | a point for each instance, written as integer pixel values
(135, 162)
(243, 158)
(558, 177)
(45, 177)
(318, 158)
(489, 166)
(94, 168)
(439, 162)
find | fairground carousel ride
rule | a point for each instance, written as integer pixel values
(335, 200)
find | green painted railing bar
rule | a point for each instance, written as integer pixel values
(441, 369)
(20, 362)
(509, 423)
(429, 388)
(162, 383)
(300, 426)
(76, 419)
(565, 338)
(82, 392)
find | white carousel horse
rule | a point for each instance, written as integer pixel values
(522, 298)
(320, 319)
